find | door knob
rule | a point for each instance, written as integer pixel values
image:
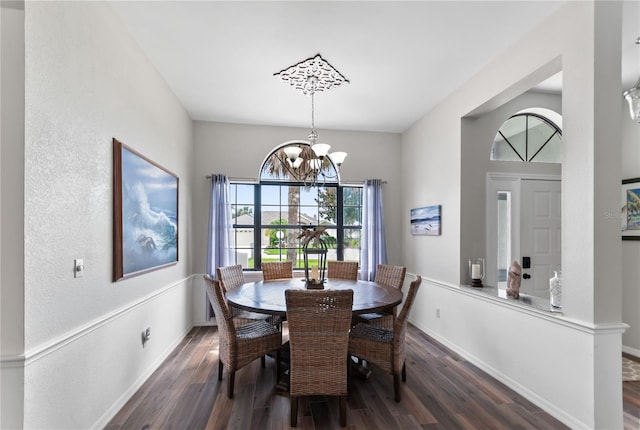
(526, 276)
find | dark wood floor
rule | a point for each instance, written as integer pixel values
(443, 391)
(631, 401)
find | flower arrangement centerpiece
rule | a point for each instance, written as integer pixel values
(314, 246)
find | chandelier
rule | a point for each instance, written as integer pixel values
(633, 97)
(311, 76)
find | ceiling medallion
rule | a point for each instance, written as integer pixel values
(312, 75)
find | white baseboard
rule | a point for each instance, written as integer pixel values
(631, 351)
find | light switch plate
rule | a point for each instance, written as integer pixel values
(78, 268)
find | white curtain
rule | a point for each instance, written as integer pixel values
(220, 250)
(373, 245)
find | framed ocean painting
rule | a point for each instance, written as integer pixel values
(426, 220)
(145, 214)
(630, 215)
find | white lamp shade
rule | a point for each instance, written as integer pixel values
(321, 149)
(338, 157)
(297, 163)
(293, 152)
(633, 98)
(315, 164)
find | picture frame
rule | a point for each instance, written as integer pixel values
(630, 211)
(425, 221)
(145, 214)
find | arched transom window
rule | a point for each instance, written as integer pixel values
(296, 162)
(529, 136)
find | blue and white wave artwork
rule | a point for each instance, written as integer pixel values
(426, 221)
(149, 215)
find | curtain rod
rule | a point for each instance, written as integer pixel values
(254, 180)
(236, 179)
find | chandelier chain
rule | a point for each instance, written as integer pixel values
(313, 111)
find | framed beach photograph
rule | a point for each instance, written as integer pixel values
(426, 221)
(630, 215)
(145, 214)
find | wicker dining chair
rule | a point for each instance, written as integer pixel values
(239, 346)
(386, 348)
(277, 270)
(319, 322)
(342, 270)
(231, 277)
(391, 276)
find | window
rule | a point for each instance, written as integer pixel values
(529, 136)
(268, 216)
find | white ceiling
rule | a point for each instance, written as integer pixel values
(402, 58)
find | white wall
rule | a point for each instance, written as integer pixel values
(87, 82)
(583, 41)
(11, 214)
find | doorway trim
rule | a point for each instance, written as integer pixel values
(503, 181)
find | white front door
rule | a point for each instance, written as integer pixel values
(539, 234)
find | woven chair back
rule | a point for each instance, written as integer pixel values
(319, 322)
(401, 321)
(230, 277)
(342, 270)
(277, 270)
(391, 276)
(224, 319)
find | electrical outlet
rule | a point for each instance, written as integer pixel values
(438, 313)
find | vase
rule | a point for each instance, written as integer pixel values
(555, 290)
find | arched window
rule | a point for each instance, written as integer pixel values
(269, 215)
(532, 135)
(295, 161)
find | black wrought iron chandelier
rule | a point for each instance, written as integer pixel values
(312, 76)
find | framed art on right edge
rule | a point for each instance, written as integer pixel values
(630, 215)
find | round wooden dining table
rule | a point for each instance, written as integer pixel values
(267, 297)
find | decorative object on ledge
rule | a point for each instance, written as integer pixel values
(311, 76)
(476, 271)
(555, 290)
(145, 214)
(426, 220)
(514, 278)
(315, 247)
(630, 209)
(632, 96)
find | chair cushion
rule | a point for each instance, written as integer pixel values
(243, 317)
(368, 332)
(255, 330)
